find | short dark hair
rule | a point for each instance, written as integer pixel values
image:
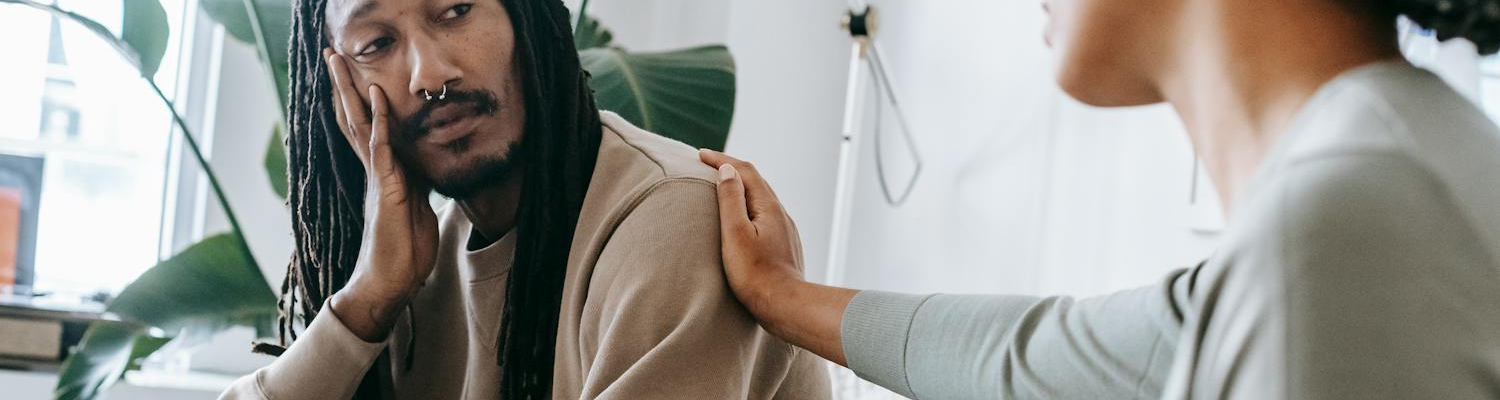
(1475, 20)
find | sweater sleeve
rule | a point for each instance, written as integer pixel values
(326, 362)
(1118, 346)
(665, 324)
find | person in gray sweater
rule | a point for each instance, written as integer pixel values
(1361, 260)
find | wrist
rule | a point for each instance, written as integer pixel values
(805, 314)
(774, 297)
(368, 317)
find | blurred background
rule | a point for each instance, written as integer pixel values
(1021, 189)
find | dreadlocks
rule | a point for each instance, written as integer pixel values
(560, 144)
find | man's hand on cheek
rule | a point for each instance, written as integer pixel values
(398, 249)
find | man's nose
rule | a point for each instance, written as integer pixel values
(432, 73)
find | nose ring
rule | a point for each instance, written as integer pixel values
(440, 96)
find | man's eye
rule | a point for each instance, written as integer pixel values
(376, 46)
(457, 11)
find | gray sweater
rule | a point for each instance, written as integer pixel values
(1362, 264)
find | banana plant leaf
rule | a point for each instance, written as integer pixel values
(591, 34)
(145, 29)
(686, 95)
(275, 162)
(209, 286)
(101, 359)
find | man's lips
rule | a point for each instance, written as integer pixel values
(450, 122)
(448, 114)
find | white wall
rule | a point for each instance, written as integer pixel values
(1026, 191)
(1013, 196)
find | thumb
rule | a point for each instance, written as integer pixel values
(734, 218)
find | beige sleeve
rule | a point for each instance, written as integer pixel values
(665, 325)
(326, 362)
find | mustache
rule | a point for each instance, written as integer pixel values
(481, 102)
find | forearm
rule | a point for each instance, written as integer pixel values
(805, 314)
(368, 318)
(1021, 347)
(326, 362)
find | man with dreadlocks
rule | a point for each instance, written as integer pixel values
(579, 258)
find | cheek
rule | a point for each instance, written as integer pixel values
(393, 84)
(486, 52)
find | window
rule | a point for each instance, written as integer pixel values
(103, 137)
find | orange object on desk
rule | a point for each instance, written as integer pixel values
(10, 228)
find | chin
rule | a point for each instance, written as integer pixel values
(1099, 88)
(460, 176)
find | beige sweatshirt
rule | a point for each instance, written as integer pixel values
(646, 312)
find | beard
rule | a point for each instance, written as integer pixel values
(487, 170)
(464, 181)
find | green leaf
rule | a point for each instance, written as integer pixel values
(211, 283)
(276, 162)
(275, 18)
(686, 95)
(591, 34)
(98, 362)
(146, 30)
(143, 346)
(210, 286)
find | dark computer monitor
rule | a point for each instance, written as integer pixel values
(20, 198)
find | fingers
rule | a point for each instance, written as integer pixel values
(383, 167)
(338, 98)
(715, 159)
(759, 197)
(734, 219)
(348, 106)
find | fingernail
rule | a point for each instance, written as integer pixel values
(727, 172)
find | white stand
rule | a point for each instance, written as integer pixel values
(860, 22)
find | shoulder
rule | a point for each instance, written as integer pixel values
(1388, 150)
(1353, 187)
(1393, 108)
(627, 146)
(636, 168)
(1350, 215)
(663, 215)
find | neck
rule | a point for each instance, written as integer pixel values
(1237, 81)
(492, 210)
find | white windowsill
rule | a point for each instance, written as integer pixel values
(28, 385)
